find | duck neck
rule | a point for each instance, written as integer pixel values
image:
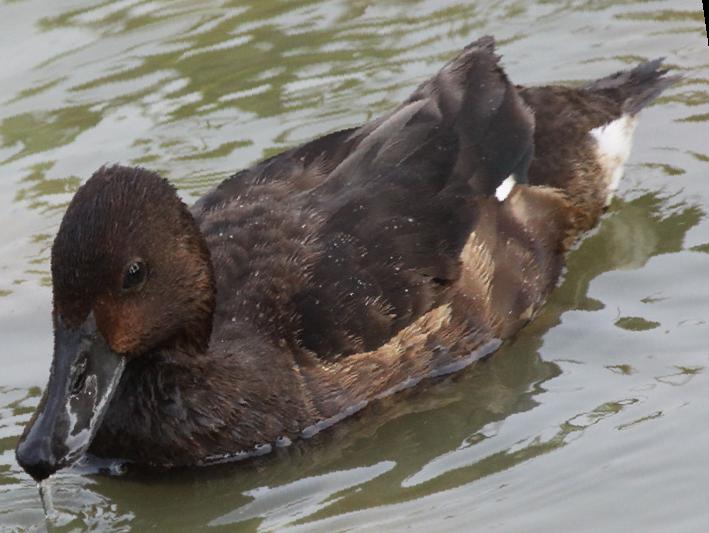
(183, 408)
(194, 335)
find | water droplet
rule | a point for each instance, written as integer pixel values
(45, 495)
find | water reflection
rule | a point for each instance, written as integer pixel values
(302, 498)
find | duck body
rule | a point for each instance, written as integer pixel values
(335, 273)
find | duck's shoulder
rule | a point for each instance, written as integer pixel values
(292, 170)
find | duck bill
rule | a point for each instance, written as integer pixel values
(84, 375)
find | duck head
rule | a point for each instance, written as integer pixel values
(131, 276)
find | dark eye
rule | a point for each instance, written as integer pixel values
(135, 273)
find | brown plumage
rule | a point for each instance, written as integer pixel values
(334, 273)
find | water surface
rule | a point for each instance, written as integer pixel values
(592, 418)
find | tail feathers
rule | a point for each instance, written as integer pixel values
(635, 88)
(486, 42)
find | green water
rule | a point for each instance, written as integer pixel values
(592, 419)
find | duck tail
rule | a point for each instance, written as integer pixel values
(486, 42)
(635, 88)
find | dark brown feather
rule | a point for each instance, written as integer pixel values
(347, 268)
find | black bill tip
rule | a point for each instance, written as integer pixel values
(36, 458)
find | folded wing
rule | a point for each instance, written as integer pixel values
(399, 208)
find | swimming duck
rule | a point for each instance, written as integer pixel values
(326, 277)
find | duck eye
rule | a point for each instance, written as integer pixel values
(135, 274)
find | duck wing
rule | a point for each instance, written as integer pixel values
(398, 209)
(340, 243)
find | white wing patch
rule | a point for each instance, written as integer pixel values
(614, 141)
(505, 188)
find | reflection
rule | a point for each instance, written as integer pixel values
(36, 89)
(290, 502)
(40, 132)
(683, 376)
(625, 370)
(636, 323)
(653, 416)
(37, 191)
(665, 15)
(220, 151)
(699, 117)
(668, 170)
(630, 234)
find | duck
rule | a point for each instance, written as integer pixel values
(326, 277)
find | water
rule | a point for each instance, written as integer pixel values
(592, 418)
(45, 496)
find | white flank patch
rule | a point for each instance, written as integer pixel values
(614, 141)
(505, 188)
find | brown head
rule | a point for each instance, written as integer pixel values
(132, 276)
